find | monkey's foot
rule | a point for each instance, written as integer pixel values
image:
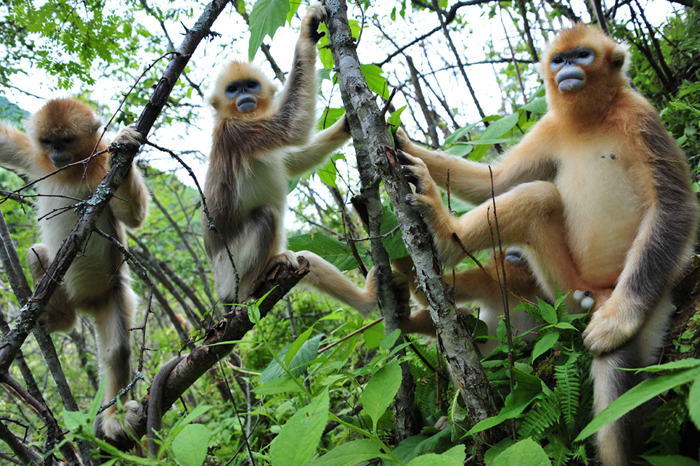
(427, 197)
(287, 258)
(442, 423)
(315, 15)
(128, 138)
(119, 431)
(610, 327)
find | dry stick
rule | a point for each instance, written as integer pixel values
(54, 435)
(205, 209)
(24, 369)
(599, 15)
(20, 287)
(526, 28)
(504, 296)
(121, 164)
(350, 335)
(25, 454)
(512, 54)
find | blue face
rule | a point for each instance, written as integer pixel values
(244, 91)
(566, 66)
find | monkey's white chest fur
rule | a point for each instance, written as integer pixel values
(91, 271)
(602, 210)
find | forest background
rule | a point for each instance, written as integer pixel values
(311, 383)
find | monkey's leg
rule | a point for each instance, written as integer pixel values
(620, 442)
(328, 279)
(113, 321)
(60, 313)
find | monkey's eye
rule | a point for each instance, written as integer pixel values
(253, 86)
(557, 60)
(584, 54)
(45, 141)
(68, 140)
(231, 90)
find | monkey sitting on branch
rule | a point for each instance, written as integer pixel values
(598, 196)
(64, 155)
(259, 143)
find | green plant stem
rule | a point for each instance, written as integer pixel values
(368, 434)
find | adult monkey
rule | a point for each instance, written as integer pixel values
(62, 135)
(600, 152)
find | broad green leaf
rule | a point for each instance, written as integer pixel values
(191, 416)
(374, 335)
(74, 420)
(294, 6)
(549, 314)
(280, 385)
(460, 133)
(324, 51)
(393, 244)
(296, 443)
(329, 248)
(523, 453)
(190, 446)
(266, 17)
(452, 457)
(389, 340)
(375, 80)
(296, 346)
(680, 364)
(637, 396)
(498, 128)
(694, 402)
(380, 390)
(305, 354)
(515, 404)
(330, 116)
(460, 149)
(545, 343)
(351, 454)
(539, 105)
(671, 460)
(394, 120)
(327, 172)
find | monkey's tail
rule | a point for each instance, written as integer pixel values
(155, 402)
(621, 442)
(327, 278)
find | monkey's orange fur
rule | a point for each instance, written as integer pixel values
(598, 195)
(98, 282)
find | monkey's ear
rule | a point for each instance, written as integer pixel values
(540, 68)
(621, 57)
(213, 101)
(96, 126)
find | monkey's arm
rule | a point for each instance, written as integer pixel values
(660, 250)
(302, 159)
(471, 181)
(130, 202)
(17, 152)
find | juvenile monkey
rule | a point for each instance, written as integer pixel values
(63, 132)
(598, 196)
(257, 145)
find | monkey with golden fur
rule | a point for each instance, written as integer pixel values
(257, 145)
(598, 195)
(64, 132)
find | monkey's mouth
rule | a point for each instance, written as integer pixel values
(60, 162)
(571, 80)
(247, 104)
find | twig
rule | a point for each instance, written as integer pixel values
(350, 335)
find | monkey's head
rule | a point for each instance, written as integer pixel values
(64, 130)
(242, 91)
(583, 67)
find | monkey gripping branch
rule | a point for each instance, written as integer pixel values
(371, 136)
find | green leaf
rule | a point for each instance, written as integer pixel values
(327, 172)
(296, 346)
(498, 128)
(546, 343)
(680, 364)
(694, 402)
(389, 340)
(460, 149)
(304, 355)
(452, 457)
(460, 133)
(266, 17)
(330, 116)
(74, 420)
(523, 453)
(393, 244)
(549, 314)
(296, 443)
(380, 390)
(190, 446)
(394, 119)
(329, 248)
(375, 80)
(351, 454)
(374, 335)
(637, 396)
(671, 460)
(280, 385)
(515, 404)
(539, 105)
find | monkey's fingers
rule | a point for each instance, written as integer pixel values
(314, 17)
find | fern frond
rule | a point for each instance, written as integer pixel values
(581, 454)
(569, 391)
(538, 422)
(557, 451)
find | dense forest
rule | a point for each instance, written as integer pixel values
(292, 376)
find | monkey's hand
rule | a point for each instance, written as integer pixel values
(128, 138)
(315, 15)
(427, 197)
(613, 325)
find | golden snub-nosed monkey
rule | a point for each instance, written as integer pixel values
(62, 132)
(598, 196)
